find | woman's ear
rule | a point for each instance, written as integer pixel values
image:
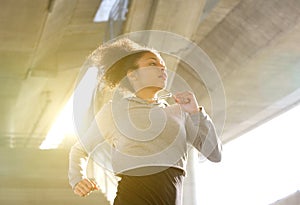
(132, 75)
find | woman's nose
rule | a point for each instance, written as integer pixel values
(164, 70)
(162, 67)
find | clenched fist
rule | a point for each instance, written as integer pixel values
(85, 187)
(187, 101)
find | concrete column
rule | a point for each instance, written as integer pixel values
(189, 187)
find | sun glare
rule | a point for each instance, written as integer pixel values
(64, 124)
(260, 167)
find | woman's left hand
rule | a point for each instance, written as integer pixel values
(187, 101)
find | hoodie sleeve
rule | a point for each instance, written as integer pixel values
(201, 133)
(77, 164)
(91, 140)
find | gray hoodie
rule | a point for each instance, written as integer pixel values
(131, 133)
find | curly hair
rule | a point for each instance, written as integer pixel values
(117, 58)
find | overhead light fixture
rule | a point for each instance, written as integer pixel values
(104, 9)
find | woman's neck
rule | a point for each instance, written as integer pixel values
(149, 95)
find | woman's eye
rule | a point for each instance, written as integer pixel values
(152, 64)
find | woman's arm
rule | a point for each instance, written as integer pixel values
(77, 164)
(201, 132)
(203, 136)
(81, 185)
(89, 141)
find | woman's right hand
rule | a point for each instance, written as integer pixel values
(85, 187)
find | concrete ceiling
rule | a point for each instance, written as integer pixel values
(254, 45)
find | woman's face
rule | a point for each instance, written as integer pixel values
(151, 72)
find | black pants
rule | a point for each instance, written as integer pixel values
(163, 188)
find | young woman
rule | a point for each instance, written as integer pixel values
(148, 137)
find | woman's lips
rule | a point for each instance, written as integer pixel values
(163, 76)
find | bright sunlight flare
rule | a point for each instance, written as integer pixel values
(64, 124)
(260, 167)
